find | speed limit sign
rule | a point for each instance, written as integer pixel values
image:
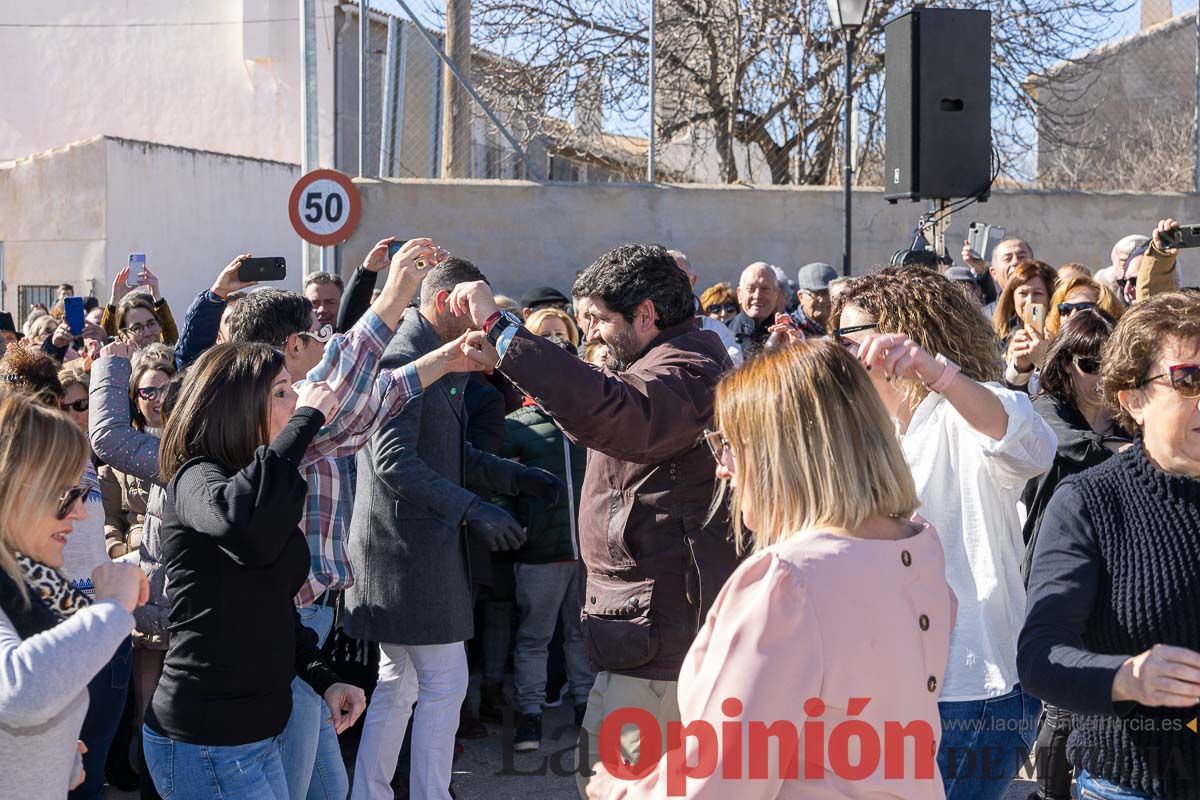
(324, 207)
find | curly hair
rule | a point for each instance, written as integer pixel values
(74, 373)
(1137, 342)
(1022, 274)
(626, 277)
(29, 370)
(934, 312)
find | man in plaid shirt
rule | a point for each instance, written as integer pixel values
(366, 398)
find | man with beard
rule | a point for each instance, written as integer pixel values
(654, 562)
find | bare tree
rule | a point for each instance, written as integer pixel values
(759, 83)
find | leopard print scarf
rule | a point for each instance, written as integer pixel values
(51, 587)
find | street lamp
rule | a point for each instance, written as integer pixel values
(847, 15)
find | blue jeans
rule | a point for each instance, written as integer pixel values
(107, 693)
(312, 759)
(985, 743)
(1091, 788)
(183, 771)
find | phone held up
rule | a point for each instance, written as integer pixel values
(253, 270)
(1035, 317)
(73, 314)
(137, 269)
(421, 263)
(983, 238)
(1183, 236)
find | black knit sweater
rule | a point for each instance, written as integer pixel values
(1115, 572)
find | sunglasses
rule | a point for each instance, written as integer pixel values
(149, 392)
(1067, 309)
(721, 308)
(322, 335)
(839, 334)
(1089, 365)
(79, 406)
(1185, 379)
(718, 445)
(67, 499)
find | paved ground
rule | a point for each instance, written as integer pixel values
(484, 772)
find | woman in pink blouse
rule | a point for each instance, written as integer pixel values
(817, 673)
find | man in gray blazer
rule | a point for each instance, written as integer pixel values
(417, 500)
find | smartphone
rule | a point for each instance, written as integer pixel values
(273, 268)
(73, 314)
(394, 248)
(983, 238)
(137, 269)
(1035, 317)
(1183, 236)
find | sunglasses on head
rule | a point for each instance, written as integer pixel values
(67, 499)
(1089, 365)
(79, 406)
(149, 392)
(1067, 309)
(721, 308)
(1184, 379)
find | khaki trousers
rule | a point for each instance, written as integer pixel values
(609, 693)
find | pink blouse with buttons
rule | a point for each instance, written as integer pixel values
(821, 633)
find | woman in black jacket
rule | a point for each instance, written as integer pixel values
(1070, 402)
(234, 558)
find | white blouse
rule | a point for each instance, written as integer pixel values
(969, 485)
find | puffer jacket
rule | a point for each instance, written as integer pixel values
(532, 438)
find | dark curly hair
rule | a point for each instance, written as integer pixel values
(269, 316)
(632, 273)
(934, 312)
(27, 369)
(1083, 334)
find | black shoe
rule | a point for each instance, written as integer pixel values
(580, 710)
(529, 733)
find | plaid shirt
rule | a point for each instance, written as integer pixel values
(366, 399)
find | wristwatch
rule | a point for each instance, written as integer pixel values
(503, 330)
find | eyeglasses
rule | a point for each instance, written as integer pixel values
(140, 328)
(1088, 365)
(322, 334)
(1067, 309)
(718, 445)
(67, 499)
(149, 392)
(1185, 379)
(79, 406)
(839, 334)
(721, 308)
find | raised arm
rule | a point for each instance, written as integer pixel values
(112, 437)
(203, 319)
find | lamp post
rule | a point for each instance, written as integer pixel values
(847, 16)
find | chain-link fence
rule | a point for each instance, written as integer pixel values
(1087, 94)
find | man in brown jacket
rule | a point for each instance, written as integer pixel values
(654, 564)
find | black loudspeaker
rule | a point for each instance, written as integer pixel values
(937, 76)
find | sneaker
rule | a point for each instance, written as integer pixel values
(529, 733)
(580, 710)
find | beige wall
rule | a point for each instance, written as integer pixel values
(524, 234)
(75, 214)
(161, 73)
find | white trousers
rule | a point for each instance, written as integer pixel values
(435, 677)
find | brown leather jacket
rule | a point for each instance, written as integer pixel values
(653, 565)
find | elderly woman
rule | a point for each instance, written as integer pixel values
(782, 646)
(1113, 632)
(972, 445)
(720, 302)
(53, 638)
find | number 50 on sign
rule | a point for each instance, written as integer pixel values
(324, 207)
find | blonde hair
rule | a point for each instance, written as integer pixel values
(74, 373)
(1107, 303)
(534, 323)
(935, 313)
(506, 303)
(813, 445)
(40, 453)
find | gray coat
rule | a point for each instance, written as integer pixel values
(407, 540)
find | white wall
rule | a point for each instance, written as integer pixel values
(160, 71)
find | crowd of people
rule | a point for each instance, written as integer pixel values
(966, 503)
